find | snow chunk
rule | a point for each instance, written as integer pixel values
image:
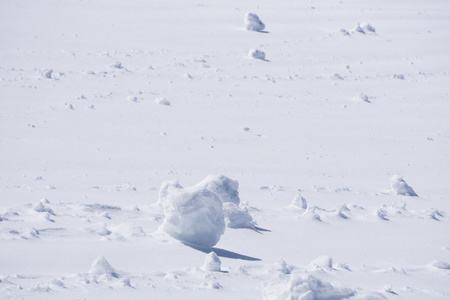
(367, 27)
(256, 54)
(299, 202)
(400, 187)
(162, 101)
(252, 22)
(358, 28)
(364, 97)
(102, 267)
(39, 207)
(212, 262)
(192, 215)
(305, 287)
(116, 65)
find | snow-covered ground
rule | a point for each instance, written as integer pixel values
(327, 138)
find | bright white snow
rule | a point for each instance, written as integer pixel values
(104, 103)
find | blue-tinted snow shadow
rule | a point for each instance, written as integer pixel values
(222, 252)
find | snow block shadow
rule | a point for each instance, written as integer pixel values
(222, 252)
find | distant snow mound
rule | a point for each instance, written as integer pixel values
(367, 27)
(101, 267)
(305, 287)
(299, 202)
(400, 187)
(212, 262)
(256, 54)
(192, 215)
(252, 22)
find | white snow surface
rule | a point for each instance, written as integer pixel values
(308, 156)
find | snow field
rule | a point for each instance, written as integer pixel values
(313, 137)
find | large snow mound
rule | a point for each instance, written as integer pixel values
(252, 22)
(305, 287)
(192, 215)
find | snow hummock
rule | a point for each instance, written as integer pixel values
(400, 187)
(101, 267)
(192, 215)
(252, 22)
(256, 54)
(162, 101)
(305, 287)
(212, 262)
(300, 202)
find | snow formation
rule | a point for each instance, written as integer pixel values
(256, 54)
(192, 215)
(101, 267)
(400, 187)
(212, 262)
(197, 215)
(305, 287)
(252, 22)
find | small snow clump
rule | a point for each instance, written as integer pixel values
(367, 27)
(162, 101)
(252, 22)
(256, 54)
(299, 202)
(102, 267)
(400, 187)
(212, 262)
